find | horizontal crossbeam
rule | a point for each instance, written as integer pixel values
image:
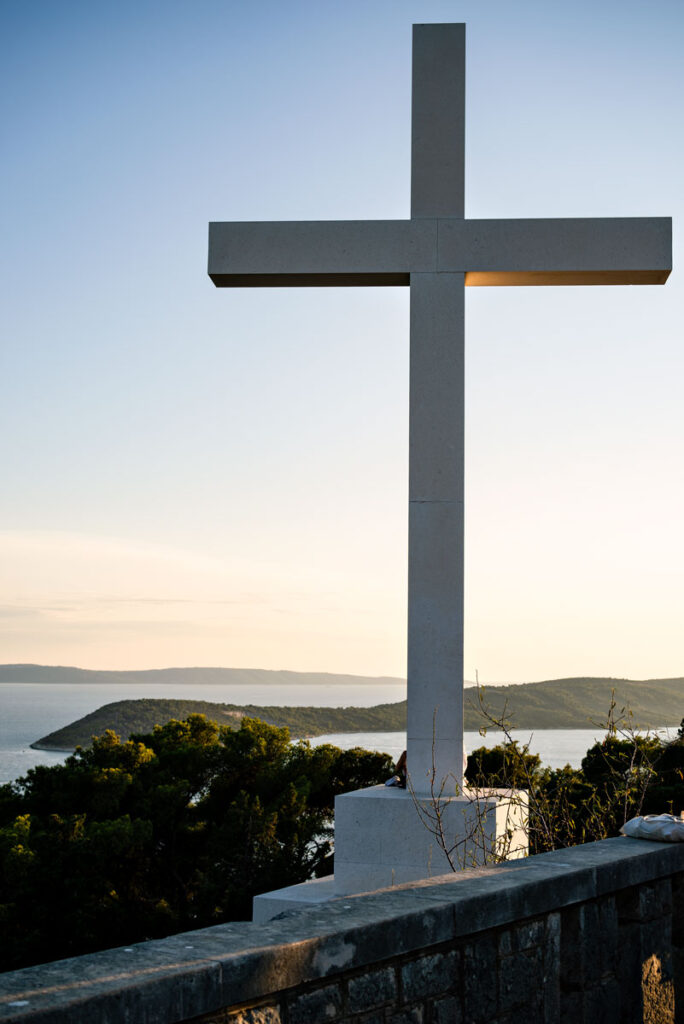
(310, 253)
(598, 250)
(633, 250)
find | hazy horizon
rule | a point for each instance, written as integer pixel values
(200, 476)
(380, 679)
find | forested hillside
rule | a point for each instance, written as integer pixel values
(126, 717)
(554, 704)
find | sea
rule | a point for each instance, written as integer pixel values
(28, 711)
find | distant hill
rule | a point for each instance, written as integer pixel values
(578, 703)
(188, 676)
(553, 704)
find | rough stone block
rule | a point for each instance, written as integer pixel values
(655, 900)
(315, 1007)
(628, 906)
(603, 1003)
(629, 964)
(367, 991)
(589, 944)
(505, 943)
(412, 1016)
(430, 976)
(678, 910)
(222, 1016)
(254, 1015)
(520, 981)
(657, 987)
(656, 937)
(572, 1008)
(572, 950)
(551, 968)
(480, 988)
(590, 938)
(608, 929)
(529, 934)
(678, 976)
(447, 1011)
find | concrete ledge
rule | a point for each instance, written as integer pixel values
(268, 905)
(195, 973)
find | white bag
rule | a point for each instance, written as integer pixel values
(664, 828)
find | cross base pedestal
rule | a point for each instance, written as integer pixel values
(384, 836)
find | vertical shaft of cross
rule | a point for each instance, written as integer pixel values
(435, 616)
(436, 449)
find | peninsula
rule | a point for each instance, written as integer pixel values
(553, 704)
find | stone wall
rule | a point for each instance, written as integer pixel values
(592, 934)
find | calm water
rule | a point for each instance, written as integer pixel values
(556, 747)
(30, 710)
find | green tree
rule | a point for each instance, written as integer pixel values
(508, 764)
(173, 829)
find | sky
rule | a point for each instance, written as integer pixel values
(193, 476)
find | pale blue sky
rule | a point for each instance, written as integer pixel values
(194, 476)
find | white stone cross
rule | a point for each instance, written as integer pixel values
(436, 253)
